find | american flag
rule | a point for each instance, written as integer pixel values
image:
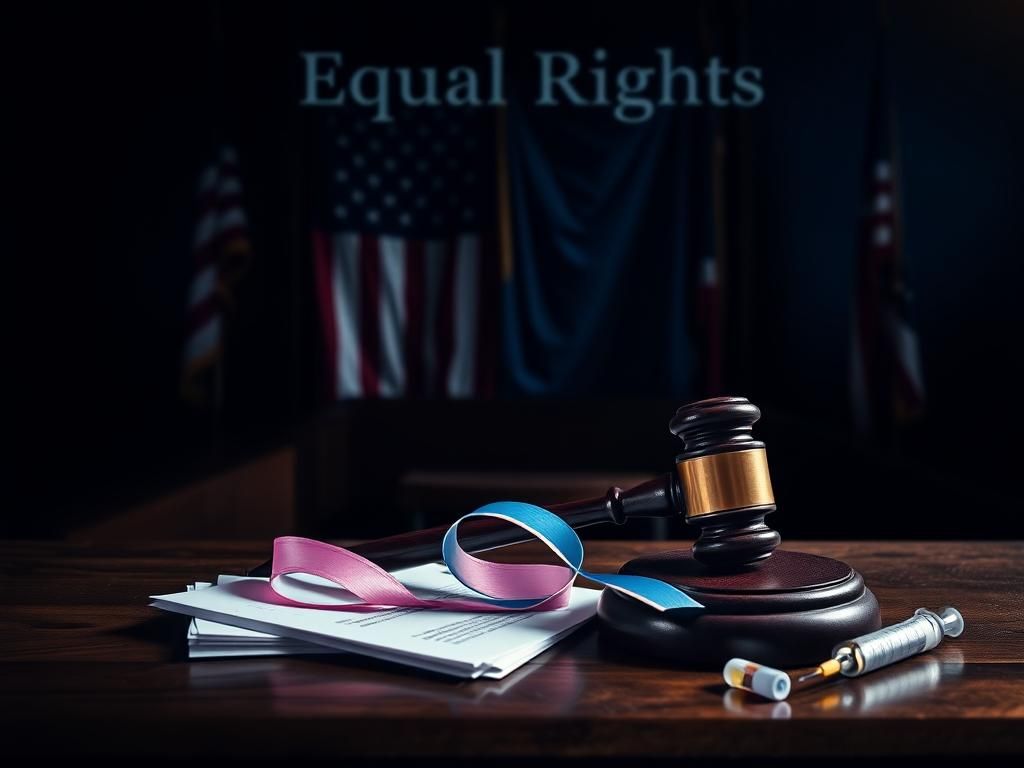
(887, 384)
(221, 251)
(403, 283)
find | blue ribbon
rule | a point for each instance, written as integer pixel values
(563, 541)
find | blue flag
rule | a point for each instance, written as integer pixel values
(596, 301)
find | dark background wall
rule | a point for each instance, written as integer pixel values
(116, 108)
(956, 78)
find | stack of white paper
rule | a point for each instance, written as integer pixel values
(242, 616)
(211, 639)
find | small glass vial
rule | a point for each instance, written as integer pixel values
(757, 678)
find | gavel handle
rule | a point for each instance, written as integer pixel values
(660, 497)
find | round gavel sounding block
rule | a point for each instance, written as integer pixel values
(779, 607)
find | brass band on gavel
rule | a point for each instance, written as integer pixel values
(725, 481)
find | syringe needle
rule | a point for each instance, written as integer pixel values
(823, 670)
(816, 672)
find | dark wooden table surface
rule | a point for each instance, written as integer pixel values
(87, 667)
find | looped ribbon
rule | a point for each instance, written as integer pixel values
(501, 586)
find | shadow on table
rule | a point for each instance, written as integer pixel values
(165, 630)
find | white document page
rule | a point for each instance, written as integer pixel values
(451, 642)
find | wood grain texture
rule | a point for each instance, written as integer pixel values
(87, 667)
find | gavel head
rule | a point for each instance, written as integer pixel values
(723, 473)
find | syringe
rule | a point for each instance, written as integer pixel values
(852, 658)
(921, 632)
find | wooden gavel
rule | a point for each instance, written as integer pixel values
(721, 485)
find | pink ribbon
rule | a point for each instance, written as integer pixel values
(376, 588)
